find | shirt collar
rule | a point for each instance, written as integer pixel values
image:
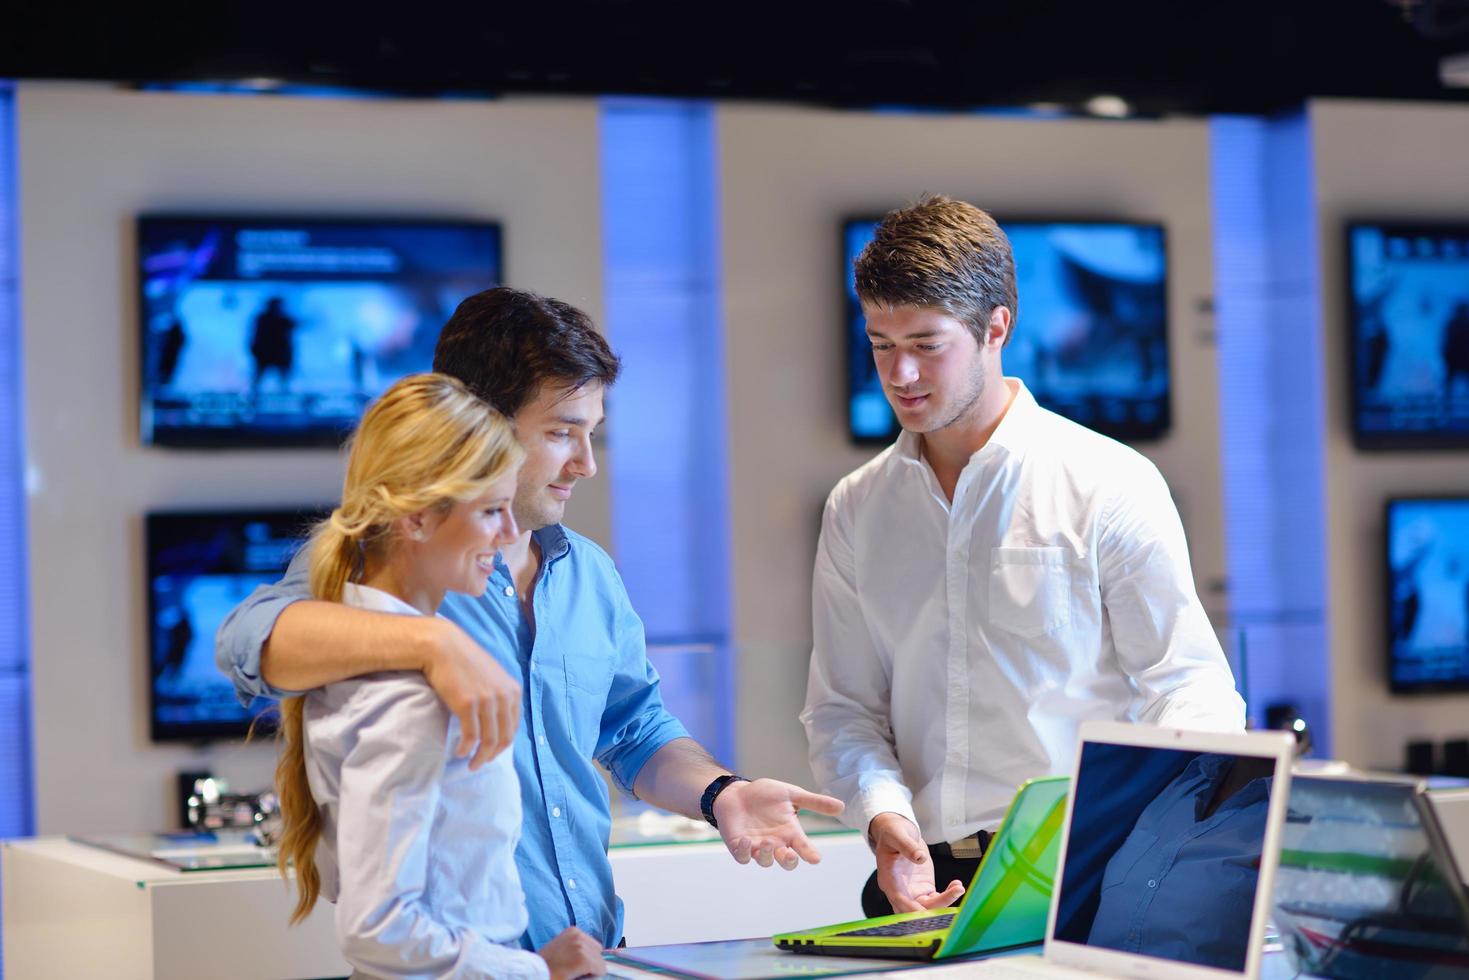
(1214, 768)
(553, 541)
(1014, 433)
(1211, 765)
(367, 597)
(1011, 436)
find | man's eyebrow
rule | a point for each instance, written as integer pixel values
(578, 420)
(921, 335)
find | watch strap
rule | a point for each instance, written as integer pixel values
(706, 802)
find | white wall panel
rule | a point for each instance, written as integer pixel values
(91, 158)
(788, 177)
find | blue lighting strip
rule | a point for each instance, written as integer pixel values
(1272, 425)
(17, 793)
(17, 816)
(666, 417)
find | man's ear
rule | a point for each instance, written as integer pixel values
(1000, 325)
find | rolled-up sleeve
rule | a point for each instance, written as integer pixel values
(848, 690)
(242, 635)
(1163, 637)
(635, 724)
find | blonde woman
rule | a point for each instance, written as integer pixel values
(381, 816)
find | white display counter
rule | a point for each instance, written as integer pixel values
(76, 911)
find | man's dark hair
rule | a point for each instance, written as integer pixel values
(943, 254)
(506, 343)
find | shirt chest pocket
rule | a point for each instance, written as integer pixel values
(1030, 590)
(588, 681)
(589, 673)
(1122, 863)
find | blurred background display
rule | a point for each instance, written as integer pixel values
(1428, 593)
(1091, 337)
(1410, 335)
(200, 566)
(259, 332)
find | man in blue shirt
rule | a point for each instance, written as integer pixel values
(1182, 885)
(567, 649)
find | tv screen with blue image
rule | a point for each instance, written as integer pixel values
(200, 566)
(278, 332)
(1428, 593)
(1409, 303)
(1091, 335)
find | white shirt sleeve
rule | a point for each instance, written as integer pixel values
(1163, 638)
(389, 793)
(848, 691)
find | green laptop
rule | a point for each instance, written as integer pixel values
(1005, 907)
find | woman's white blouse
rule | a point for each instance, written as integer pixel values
(417, 851)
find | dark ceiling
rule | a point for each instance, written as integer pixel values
(1163, 56)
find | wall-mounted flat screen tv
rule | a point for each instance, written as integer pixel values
(1091, 338)
(1428, 593)
(1409, 313)
(278, 332)
(200, 566)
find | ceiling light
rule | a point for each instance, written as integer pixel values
(1453, 71)
(1110, 106)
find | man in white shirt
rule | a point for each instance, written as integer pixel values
(991, 580)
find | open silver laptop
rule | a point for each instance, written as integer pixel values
(1168, 858)
(1451, 807)
(1367, 887)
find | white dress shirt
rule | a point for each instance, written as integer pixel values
(959, 646)
(417, 851)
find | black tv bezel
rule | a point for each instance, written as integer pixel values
(170, 733)
(1386, 441)
(247, 438)
(1123, 433)
(1396, 687)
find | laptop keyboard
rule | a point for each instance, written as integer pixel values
(911, 927)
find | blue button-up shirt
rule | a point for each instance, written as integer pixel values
(589, 694)
(1182, 886)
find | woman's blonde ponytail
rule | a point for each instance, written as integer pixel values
(426, 443)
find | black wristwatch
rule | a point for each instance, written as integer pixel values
(706, 802)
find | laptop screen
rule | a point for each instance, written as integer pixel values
(1363, 889)
(1163, 853)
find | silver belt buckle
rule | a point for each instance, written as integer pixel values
(967, 848)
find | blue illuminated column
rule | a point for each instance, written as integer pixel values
(16, 791)
(1271, 410)
(670, 513)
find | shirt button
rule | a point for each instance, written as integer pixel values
(1152, 883)
(555, 811)
(953, 821)
(570, 882)
(509, 592)
(541, 739)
